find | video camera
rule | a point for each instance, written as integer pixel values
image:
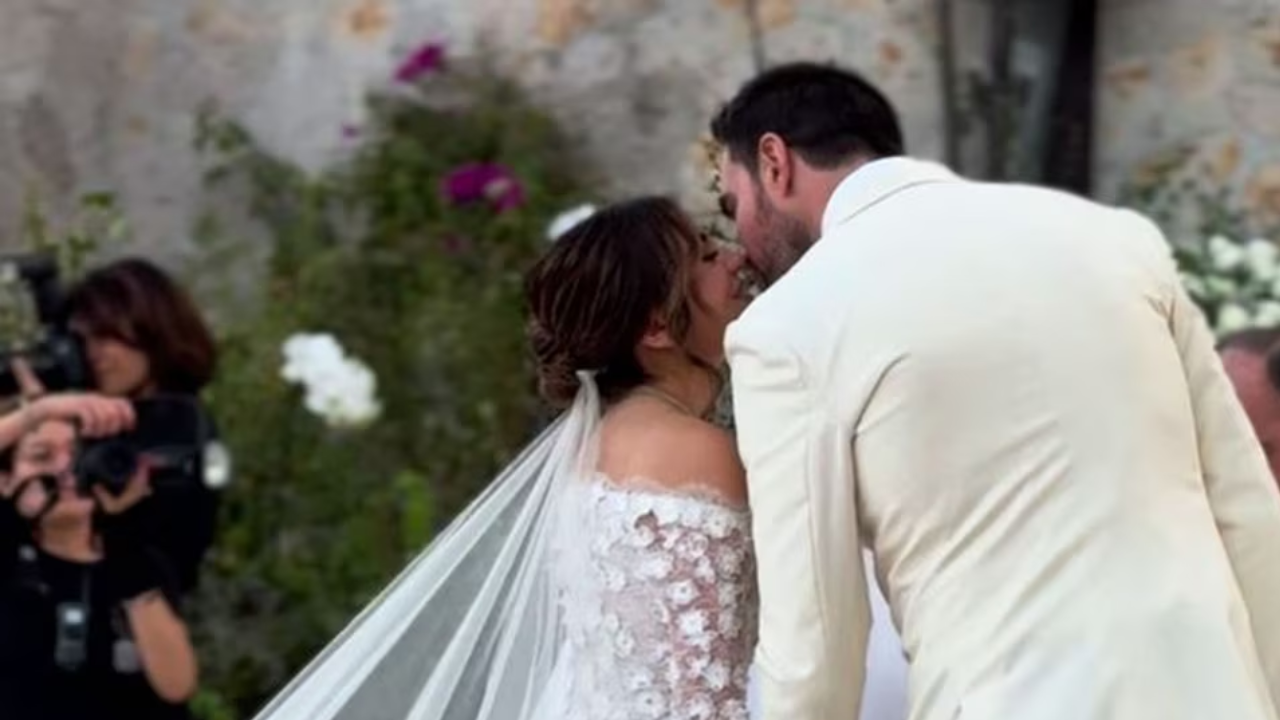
(174, 432)
(54, 353)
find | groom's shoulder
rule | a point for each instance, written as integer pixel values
(769, 314)
(788, 307)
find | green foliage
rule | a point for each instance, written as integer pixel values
(94, 222)
(1227, 258)
(1190, 199)
(428, 294)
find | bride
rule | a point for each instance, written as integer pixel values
(654, 576)
(607, 573)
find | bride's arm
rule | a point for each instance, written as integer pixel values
(814, 613)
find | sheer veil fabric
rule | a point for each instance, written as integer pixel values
(470, 630)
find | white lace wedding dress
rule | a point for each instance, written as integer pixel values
(659, 600)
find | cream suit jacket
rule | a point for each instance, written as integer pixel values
(1005, 393)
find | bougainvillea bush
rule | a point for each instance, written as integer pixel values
(380, 378)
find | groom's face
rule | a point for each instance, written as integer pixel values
(773, 240)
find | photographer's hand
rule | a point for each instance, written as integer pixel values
(29, 496)
(139, 487)
(33, 499)
(140, 575)
(96, 415)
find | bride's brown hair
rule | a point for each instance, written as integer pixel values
(593, 295)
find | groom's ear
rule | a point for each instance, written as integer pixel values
(776, 165)
(657, 336)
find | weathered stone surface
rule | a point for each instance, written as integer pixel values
(1194, 75)
(103, 95)
(893, 44)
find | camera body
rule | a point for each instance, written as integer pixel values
(173, 433)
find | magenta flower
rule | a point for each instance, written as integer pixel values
(484, 182)
(350, 132)
(428, 58)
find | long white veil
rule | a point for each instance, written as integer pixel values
(470, 630)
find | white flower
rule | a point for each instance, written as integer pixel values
(565, 221)
(1263, 259)
(1267, 314)
(692, 624)
(308, 355)
(717, 676)
(682, 593)
(1221, 287)
(1226, 255)
(339, 389)
(1232, 317)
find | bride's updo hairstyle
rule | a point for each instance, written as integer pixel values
(594, 293)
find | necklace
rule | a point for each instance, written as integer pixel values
(666, 397)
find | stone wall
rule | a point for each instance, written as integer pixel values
(1189, 90)
(102, 95)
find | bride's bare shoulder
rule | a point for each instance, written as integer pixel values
(671, 449)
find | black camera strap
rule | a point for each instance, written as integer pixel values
(51, 491)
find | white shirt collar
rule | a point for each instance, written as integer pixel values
(875, 181)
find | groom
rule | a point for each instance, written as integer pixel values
(1005, 394)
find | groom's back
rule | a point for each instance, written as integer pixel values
(1025, 451)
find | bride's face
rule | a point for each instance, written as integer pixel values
(719, 296)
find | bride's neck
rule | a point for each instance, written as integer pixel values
(695, 388)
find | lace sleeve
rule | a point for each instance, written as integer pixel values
(674, 594)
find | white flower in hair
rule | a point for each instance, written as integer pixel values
(339, 389)
(567, 220)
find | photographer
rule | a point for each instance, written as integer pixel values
(142, 337)
(89, 626)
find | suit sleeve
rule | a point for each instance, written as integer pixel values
(1241, 491)
(814, 611)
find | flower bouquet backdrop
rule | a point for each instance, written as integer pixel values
(1236, 284)
(1229, 261)
(379, 378)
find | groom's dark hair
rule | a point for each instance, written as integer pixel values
(827, 114)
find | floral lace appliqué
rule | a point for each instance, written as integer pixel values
(660, 606)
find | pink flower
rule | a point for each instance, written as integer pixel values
(484, 182)
(428, 58)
